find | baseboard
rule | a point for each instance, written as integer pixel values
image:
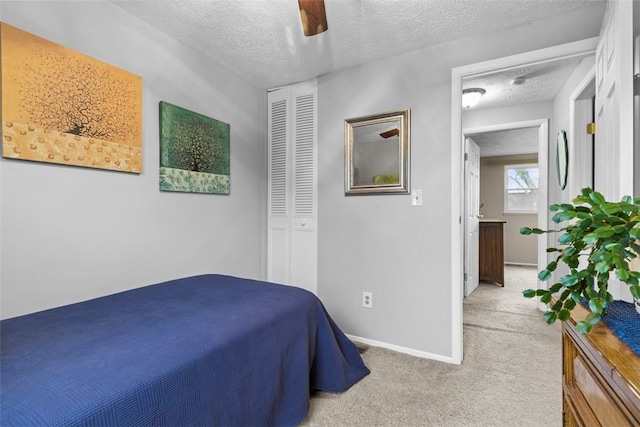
(523, 264)
(405, 350)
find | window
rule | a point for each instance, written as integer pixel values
(521, 188)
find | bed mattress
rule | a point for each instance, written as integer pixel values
(203, 350)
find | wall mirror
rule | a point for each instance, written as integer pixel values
(376, 153)
(562, 159)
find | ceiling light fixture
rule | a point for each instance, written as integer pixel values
(471, 97)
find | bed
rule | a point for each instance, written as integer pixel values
(204, 350)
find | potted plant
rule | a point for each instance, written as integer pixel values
(600, 239)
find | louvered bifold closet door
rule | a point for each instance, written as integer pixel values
(278, 186)
(292, 222)
(304, 230)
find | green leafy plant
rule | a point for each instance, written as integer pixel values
(600, 239)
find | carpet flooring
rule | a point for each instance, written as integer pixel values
(510, 376)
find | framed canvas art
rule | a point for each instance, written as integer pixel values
(194, 152)
(60, 106)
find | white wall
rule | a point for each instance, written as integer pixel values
(70, 233)
(379, 243)
(518, 249)
(561, 121)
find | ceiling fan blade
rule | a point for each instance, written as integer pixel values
(314, 17)
(390, 133)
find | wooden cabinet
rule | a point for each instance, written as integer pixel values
(601, 377)
(491, 248)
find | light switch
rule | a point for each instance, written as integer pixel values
(416, 198)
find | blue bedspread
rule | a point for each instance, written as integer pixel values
(201, 351)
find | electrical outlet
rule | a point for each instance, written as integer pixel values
(367, 300)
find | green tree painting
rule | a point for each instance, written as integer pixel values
(194, 152)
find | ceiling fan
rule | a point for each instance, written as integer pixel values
(314, 17)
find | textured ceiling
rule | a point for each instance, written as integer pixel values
(507, 142)
(541, 82)
(534, 83)
(262, 40)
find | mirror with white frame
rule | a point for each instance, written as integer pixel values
(377, 153)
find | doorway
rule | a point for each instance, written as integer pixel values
(581, 48)
(582, 144)
(516, 141)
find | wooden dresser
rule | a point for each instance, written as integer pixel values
(601, 377)
(491, 248)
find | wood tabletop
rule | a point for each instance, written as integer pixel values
(613, 354)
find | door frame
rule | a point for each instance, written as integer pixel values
(568, 50)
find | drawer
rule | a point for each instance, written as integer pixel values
(598, 395)
(601, 377)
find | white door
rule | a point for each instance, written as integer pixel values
(472, 208)
(304, 231)
(614, 109)
(292, 185)
(614, 102)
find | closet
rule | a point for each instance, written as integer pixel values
(293, 186)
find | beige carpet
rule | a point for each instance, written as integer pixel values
(510, 376)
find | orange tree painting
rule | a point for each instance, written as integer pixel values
(194, 152)
(60, 106)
